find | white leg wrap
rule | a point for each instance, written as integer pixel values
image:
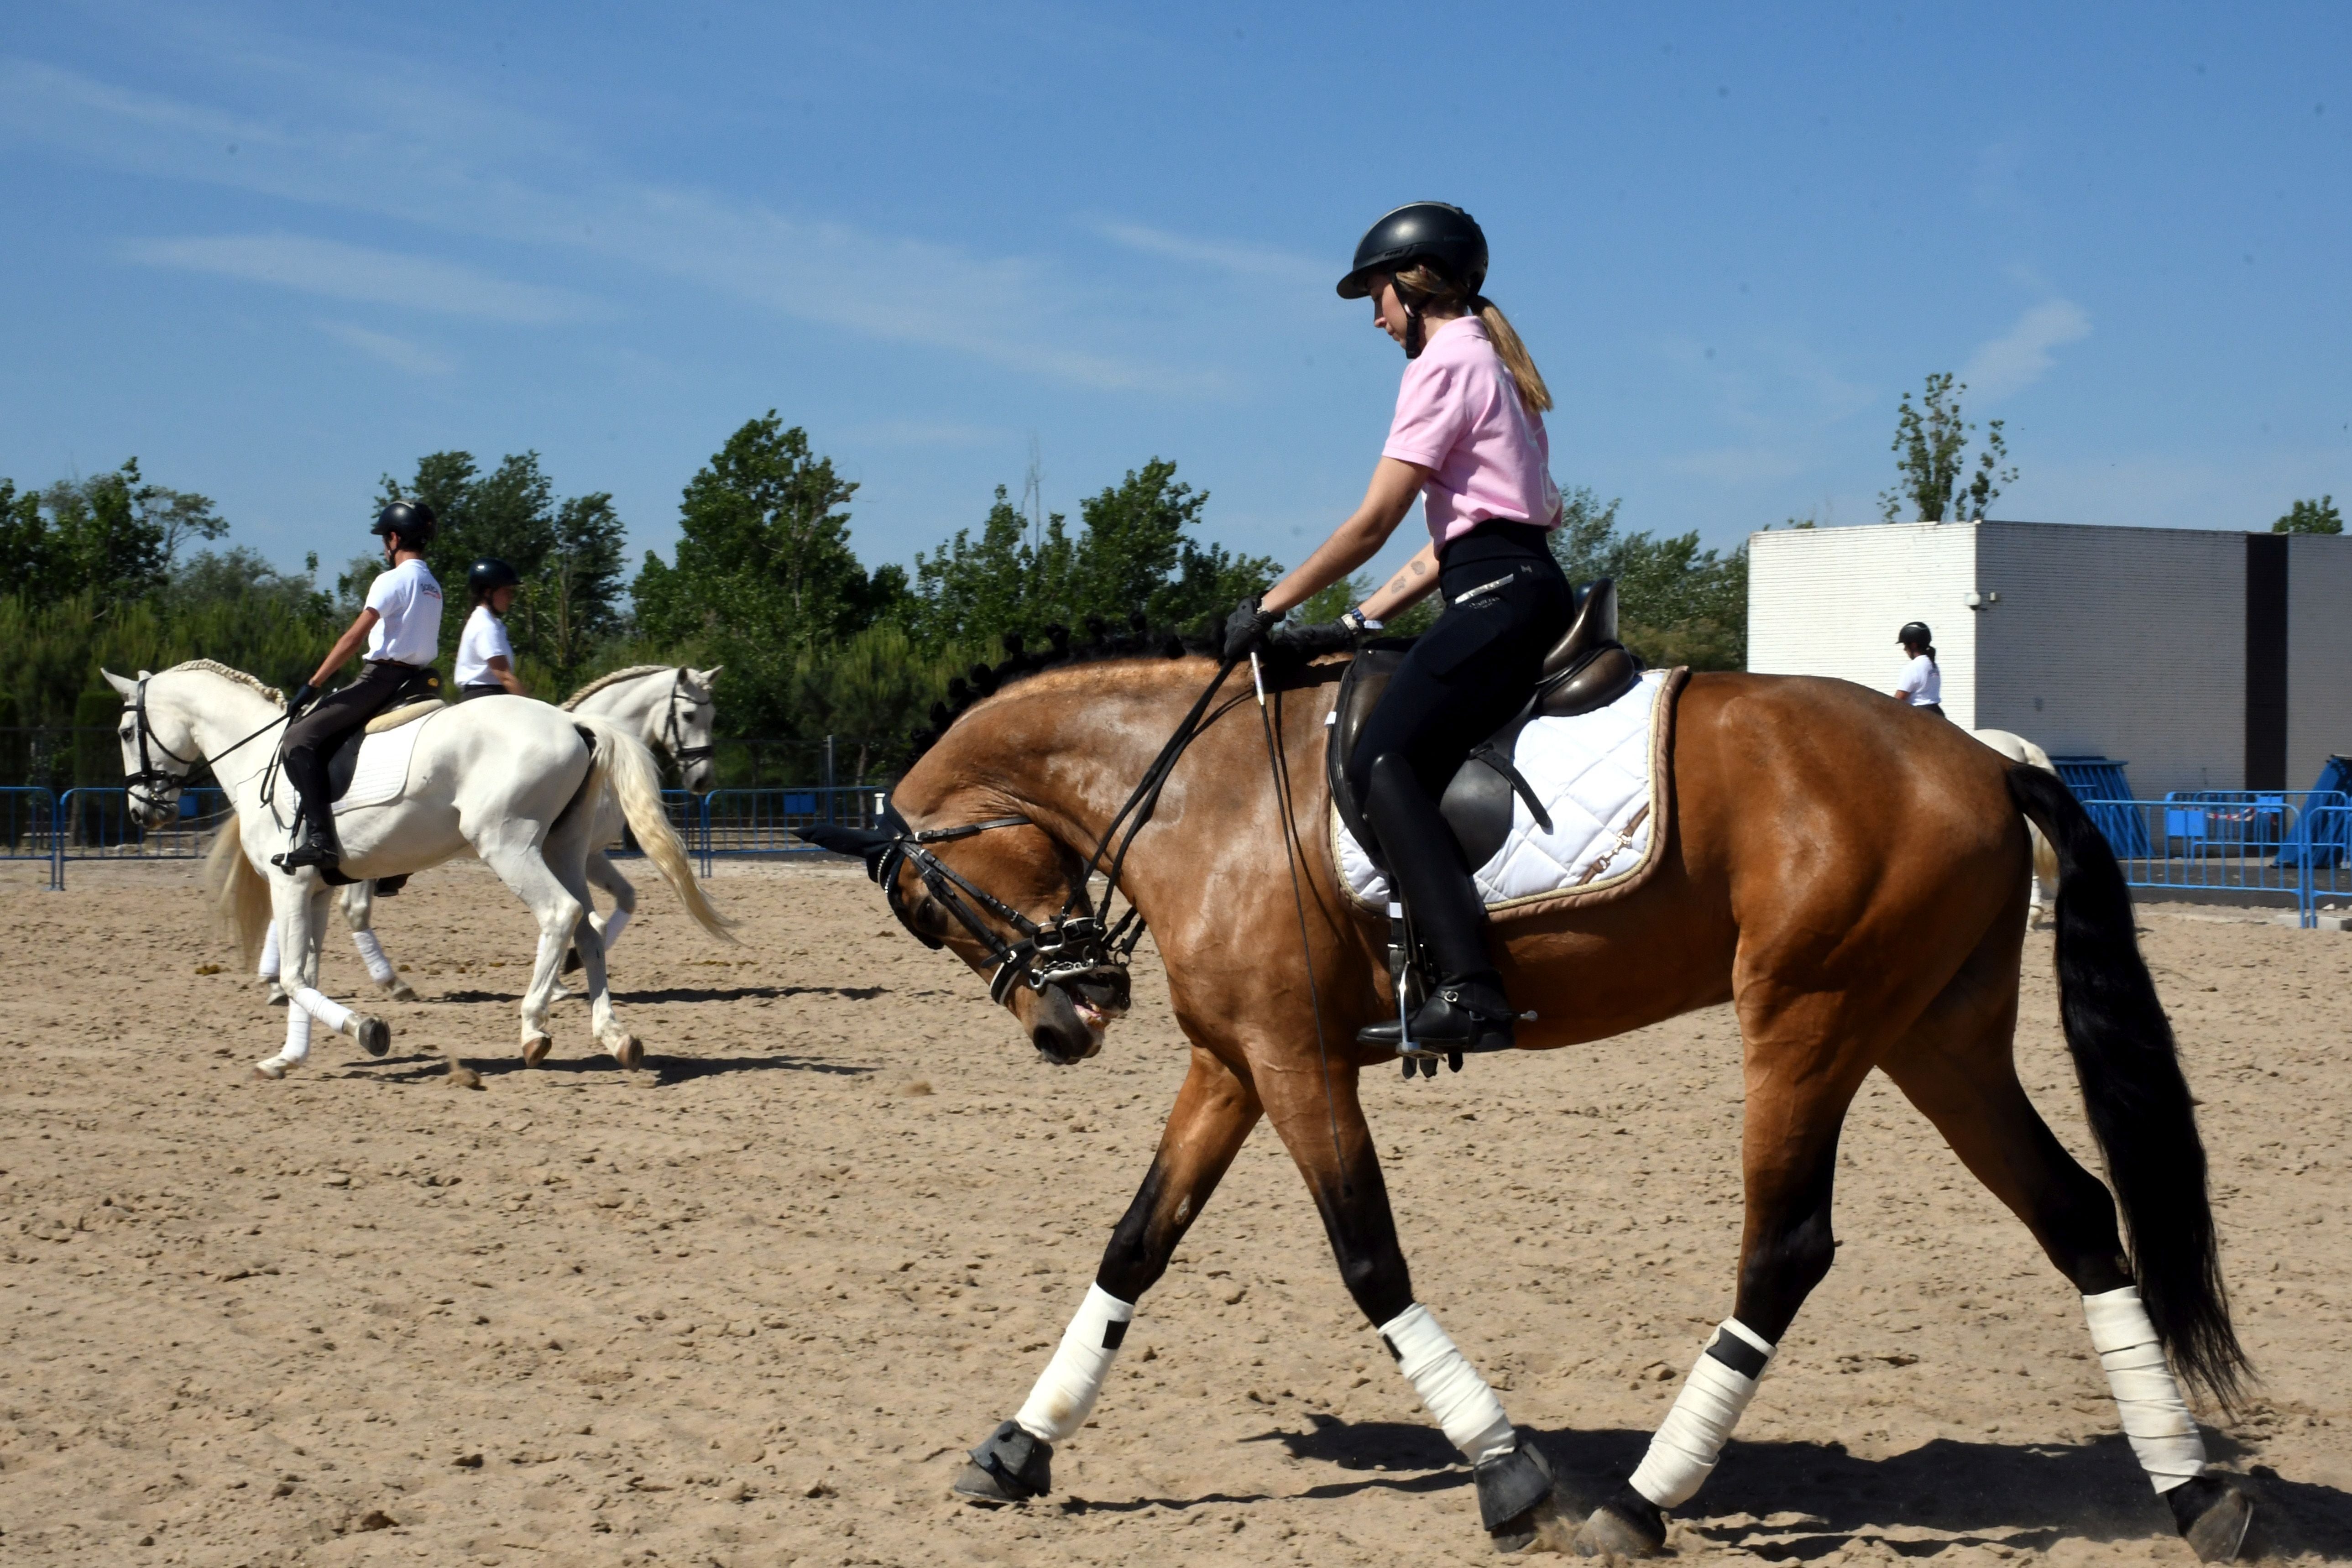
(297, 1036)
(2157, 1420)
(1691, 1438)
(1065, 1390)
(379, 967)
(269, 970)
(324, 1008)
(615, 924)
(1449, 1386)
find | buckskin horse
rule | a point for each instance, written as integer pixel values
(1849, 874)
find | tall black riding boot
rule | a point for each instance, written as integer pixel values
(317, 845)
(1467, 1009)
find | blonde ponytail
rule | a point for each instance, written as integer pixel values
(1423, 285)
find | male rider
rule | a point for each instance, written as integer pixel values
(401, 626)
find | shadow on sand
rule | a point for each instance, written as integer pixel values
(688, 993)
(658, 1071)
(2020, 1495)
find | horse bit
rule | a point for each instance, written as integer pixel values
(1073, 944)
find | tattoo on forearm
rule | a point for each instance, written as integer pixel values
(1421, 568)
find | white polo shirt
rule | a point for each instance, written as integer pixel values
(485, 639)
(1922, 684)
(408, 603)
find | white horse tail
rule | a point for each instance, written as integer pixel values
(238, 893)
(620, 760)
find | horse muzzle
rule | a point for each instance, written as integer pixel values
(1066, 1021)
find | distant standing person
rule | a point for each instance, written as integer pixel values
(1922, 685)
(485, 655)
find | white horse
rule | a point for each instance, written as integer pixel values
(2018, 749)
(666, 706)
(515, 781)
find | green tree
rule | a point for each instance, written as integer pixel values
(1931, 459)
(112, 535)
(2311, 517)
(568, 554)
(1677, 604)
(1135, 553)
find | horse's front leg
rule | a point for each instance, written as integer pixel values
(1321, 1122)
(1213, 1114)
(300, 917)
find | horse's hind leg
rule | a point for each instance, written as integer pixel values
(1958, 1069)
(1802, 1071)
(602, 873)
(514, 854)
(359, 913)
(1214, 1115)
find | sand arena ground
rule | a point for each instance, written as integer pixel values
(747, 1306)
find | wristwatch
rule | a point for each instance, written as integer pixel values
(1355, 620)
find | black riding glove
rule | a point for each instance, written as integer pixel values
(304, 695)
(1247, 627)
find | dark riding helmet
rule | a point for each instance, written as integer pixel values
(411, 519)
(1444, 237)
(1914, 634)
(490, 573)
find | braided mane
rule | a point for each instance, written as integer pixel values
(213, 667)
(618, 676)
(1018, 664)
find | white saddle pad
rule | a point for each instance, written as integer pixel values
(1596, 775)
(383, 770)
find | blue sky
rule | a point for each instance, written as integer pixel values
(276, 251)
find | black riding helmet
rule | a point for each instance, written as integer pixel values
(412, 520)
(1446, 237)
(489, 574)
(1914, 634)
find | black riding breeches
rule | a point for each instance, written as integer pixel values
(1507, 606)
(327, 725)
(468, 693)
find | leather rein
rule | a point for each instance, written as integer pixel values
(1075, 943)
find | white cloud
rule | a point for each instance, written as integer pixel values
(2021, 356)
(397, 352)
(356, 272)
(503, 178)
(1242, 260)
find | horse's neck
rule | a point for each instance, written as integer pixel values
(634, 705)
(221, 713)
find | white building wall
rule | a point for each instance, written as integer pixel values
(1829, 601)
(2319, 654)
(2127, 642)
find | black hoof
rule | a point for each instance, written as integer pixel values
(1011, 1467)
(375, 1036)
(1515, 1500)
(1627, 1525)
(2212, 1516)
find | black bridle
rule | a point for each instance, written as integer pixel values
(1074, 944)
(673, 733)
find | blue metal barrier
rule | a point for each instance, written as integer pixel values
(2230, 841)
(2097, 780)
(744, 822)
(96, 823)
(28, 825)
(2325, 876)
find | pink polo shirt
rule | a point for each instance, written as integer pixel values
(1458, 414)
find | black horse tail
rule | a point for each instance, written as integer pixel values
(2137, 1101)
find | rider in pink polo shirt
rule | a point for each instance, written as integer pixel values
(1468, 438)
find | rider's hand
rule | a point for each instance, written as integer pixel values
(304, 695)
(1247, 627)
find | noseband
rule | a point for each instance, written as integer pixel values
(673, 733)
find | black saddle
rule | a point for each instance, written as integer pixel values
(1588, 669)
(345, 762)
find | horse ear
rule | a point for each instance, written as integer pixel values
(703, 678)
(125, 687)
